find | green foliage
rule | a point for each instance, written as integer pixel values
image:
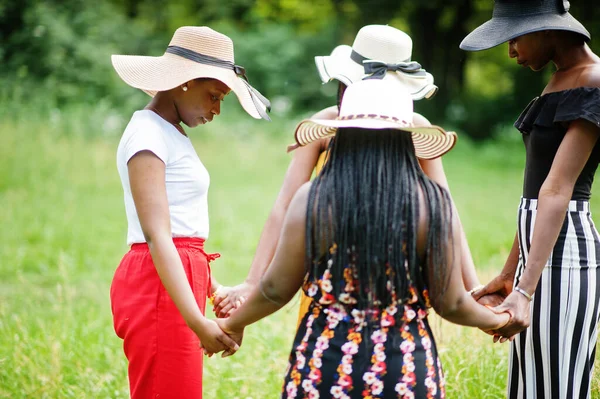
(56, 54)
(61, 56)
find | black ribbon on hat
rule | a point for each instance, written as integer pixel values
(378, 69)
(258, 99)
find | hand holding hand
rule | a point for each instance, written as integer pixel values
(228, 299)
(501, 286)
(235, 335)
(519, 307)
(491, 300)
(493, 294)
(501, 320)
(213, 339)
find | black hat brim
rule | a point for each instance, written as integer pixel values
(499, 30)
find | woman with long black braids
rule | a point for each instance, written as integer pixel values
(374, 242)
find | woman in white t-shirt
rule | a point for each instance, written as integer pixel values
(159, 291)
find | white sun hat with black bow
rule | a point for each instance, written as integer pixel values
(194, 52)
(375, 104)
(514, 18)
(379, 52)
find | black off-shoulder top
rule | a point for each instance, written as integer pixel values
(544, 123)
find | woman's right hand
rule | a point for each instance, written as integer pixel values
(212, 338)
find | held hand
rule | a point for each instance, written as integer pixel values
(213, 339)
(228, 299)
(501, 320)
(501, 285)
(519, 307)
(236, 335)
(491, 300)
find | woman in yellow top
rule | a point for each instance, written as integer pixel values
(378, 52)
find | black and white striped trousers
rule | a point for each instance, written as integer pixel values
(554, 357)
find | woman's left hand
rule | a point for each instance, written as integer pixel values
(213, 339)
(236, 335)
(519, 308)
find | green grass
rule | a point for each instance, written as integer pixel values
(63, 234)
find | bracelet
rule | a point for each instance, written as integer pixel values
(524, 293)
(212, 297)
(473, 290)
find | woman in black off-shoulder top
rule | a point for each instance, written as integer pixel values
(551, 280)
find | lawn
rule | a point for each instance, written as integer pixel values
(63, 234)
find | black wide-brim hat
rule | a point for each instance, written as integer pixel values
(514, 18)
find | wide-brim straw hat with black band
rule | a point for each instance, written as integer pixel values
(512, 18)
(381, 52)
(194, 52)
(378, 104)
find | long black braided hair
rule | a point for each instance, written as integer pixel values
(363, 210)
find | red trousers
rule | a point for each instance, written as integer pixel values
(165, 359)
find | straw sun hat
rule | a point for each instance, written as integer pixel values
(194, 52)
(378, 51)
(514, 18)
(378, 104)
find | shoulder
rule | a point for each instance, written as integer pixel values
(420, 120)
(327, 113)
(301, 196)
(321, 145)
(144, 132)
(144, 123)
(590, 76)
(296, 215)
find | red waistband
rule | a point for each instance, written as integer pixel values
(181, 242)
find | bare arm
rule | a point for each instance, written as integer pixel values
(553, 200)
(283, 277)
(494, 292)
(555, 195)
(147, 180)
(299, 172)
(456, 305)
(434, 169)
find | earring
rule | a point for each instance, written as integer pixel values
(184, 88)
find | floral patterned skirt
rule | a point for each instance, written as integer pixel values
(334, 356)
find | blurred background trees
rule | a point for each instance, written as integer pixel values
(56, 53)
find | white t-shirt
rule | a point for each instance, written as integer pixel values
(186, 178)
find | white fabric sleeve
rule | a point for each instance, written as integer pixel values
(147, 137)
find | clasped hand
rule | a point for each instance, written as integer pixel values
(499, 296)
(215, 335)
(228, 299)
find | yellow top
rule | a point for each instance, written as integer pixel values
(321, 162)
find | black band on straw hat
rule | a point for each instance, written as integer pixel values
(240, 71)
